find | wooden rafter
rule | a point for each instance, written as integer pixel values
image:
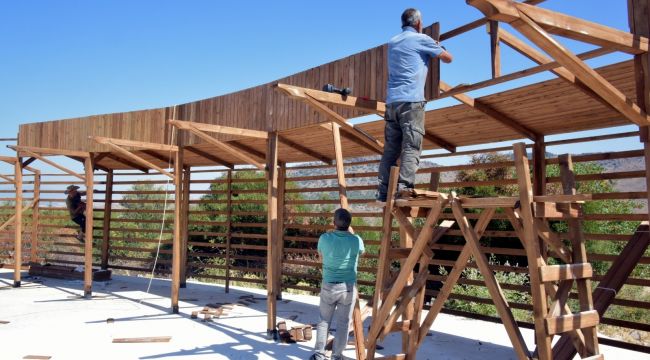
(210, 157)
(49, 151)
(187, 125)
(492, 113)
(222, 145)
(156, 155)
(134, 143)
(439, 141)
(358, 103)
(305, 150)
(520, 18)
(564, 25)
(133, 157)
(53, 164)
(250, 150)
(127, 162)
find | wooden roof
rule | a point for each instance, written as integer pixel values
(549, 107)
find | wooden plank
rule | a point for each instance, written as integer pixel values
(88, 244)
(492, 113)
(359, 343)
(106, 226)
(188, 125)
(535, 261)
(37, 357)
(500, 302)
(149, 339)
(272, 233)
(134, 144)
(185, 209)
(565, 323)
(176, 245)
(565, 272)
(18, 221)
(501, 202)
(282, 183)
(49, 151)
(340, 170)
(210, 157)
(228, 227)
(495, 48)
(358, 103)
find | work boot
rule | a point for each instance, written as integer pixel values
(405, 194)
(81, 237)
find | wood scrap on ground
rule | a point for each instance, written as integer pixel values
(150, 339)
(4, 322)
(37, 357)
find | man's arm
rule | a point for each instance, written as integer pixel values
(446, 57)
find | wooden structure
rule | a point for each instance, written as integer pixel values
(289, 121)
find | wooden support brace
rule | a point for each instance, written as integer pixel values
(53, 164)
(137, 159)
(248, 159)
(361, 104)
(189, 125)
(134, 144)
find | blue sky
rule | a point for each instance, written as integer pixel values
(63, 59)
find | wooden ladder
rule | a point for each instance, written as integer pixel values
(556, 281)
(400, 296)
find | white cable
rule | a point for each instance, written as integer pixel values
(162, 224)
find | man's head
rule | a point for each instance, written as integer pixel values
(342, 219)
(413, 18)
(71, 190)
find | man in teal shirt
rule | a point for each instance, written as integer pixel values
(339, 251)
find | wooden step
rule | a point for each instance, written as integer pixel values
(392, 357)
(565, 323)
(595, 357)
(565, 272)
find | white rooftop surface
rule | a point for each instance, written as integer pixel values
(48, 317)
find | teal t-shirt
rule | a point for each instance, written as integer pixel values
(340, 252)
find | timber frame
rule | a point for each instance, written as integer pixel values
(290, 121)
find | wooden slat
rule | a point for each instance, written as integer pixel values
(565, 323)
(565, 272)
(149, 339)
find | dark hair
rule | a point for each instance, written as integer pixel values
(342, 219)
(410, 17)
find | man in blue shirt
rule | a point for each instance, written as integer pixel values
(339, 251)
(409, 54)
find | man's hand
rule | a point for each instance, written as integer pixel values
(351, 229)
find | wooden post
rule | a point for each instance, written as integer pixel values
(228, 226)
(18, 222)
(495, 48)
(282, 178)
(185, 208)
(88, 245)
(340, 170)
(35, 217)
(535, 261)
(434, 181)
(579, 253)
(405, 241)
(539, 167)
(272, 232)
(176, 247)
(106, 229)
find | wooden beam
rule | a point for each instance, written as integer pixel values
(361, 104)
(53, 164)
(28, 161)
(227, 147)
(106, 226)
(49, 151)
(133, 143)
(36, 215)
(185, 209)
(333, 116)
(127, 162)
(340, 170)
(261, 156)
(272, 233)
(533, 253)
(534, 32)
(460, 89)
(176, 242)
(137, 159)
(560, 24)
(211, 157)
(495, 47)
(305, 150)
(157, 156)
(439, 141)
(187, 125)
(88, 245)
(492, 114)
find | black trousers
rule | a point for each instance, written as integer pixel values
(81, 221)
